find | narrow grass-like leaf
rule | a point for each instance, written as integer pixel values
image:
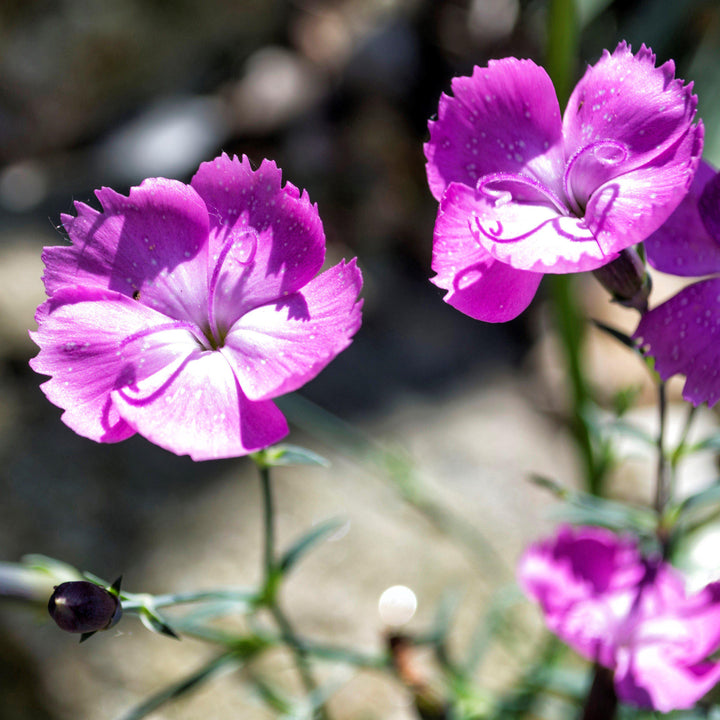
(317, 534)
(226, 661)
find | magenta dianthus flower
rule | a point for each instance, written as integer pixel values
(524, 191)
(180, 311)
(683, 333)
(628, 613)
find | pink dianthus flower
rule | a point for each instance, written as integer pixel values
(628, 613)
(180, 311)
(525, 191)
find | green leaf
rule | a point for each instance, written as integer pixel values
(283, 455)
(318, 533)
(620, 336)
(585, 509)
(226, 661)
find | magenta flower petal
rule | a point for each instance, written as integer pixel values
(195, 406)
(566, 195)
(627, 209)
(266, 239)
(682, 335)
(147, 244)
(176, 303)
(643, 109)
(683, 246)
(291, 341)
(650, 679)
(628, 613)
(477, 285)
(505, 118)
(533, 235)
(91, 340)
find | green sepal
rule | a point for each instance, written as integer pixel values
(87, 636)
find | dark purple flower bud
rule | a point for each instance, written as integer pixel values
(625, 278)
(84, 607)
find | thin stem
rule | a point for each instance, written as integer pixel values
(662, 486)
(269, 565)
(273, 575)
(601, 703)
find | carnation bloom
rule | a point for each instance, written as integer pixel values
(179, 311)
(683, 333)
(627, 613)
(524, 191)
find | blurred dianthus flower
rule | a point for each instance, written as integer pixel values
(683, 333)
(628, 613)
(524, 191)
(181, 310)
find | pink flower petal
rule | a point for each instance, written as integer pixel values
(682, 336)
(94, 340)
(266, 239)
(648, 678)
(505, 118)
(148, 245)
(196, 407)
(682, 245)
(536, 237)
(477, 285)
(277, 348)
(626, 99)
(628, 208)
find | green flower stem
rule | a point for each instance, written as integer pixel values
(562, 46)
(571, 330)
(134, 601)
(273, 576)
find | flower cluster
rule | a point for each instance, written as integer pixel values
(682, 333)
(524, 191)
(628, 613)
(180, 311)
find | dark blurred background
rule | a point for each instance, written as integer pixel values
(338, 92)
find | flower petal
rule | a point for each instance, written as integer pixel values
(276, 348)
(266, 239)
(196, 407)
(650, 679)
(626, 99)
(477, 285)
(628, 208)
(151, 245)
(682, 245)
(504, 118)
(585, 581)
(682, 336)
(535, 236)
(93, 340)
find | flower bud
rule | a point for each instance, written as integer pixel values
(625, 278)
(84, 607)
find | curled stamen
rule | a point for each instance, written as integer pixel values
(245, 245)
(496, 234)
(486, 186)
(603, 153)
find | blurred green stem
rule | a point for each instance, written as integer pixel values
(273, 577)
(562, 46)
(561, 58)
